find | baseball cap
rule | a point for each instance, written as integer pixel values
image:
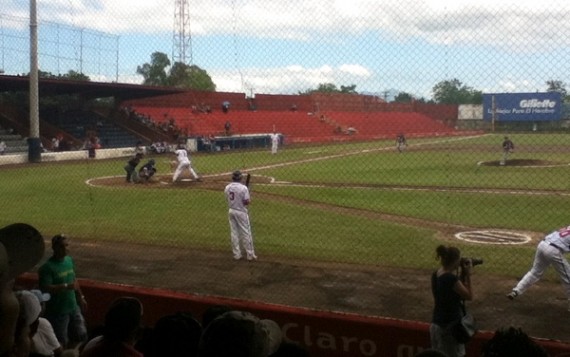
(29, 306)
(24, 248)
(236, 175)
(42, 297)
(241, 330)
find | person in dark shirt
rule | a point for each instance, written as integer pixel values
(449, 291)
(131, 166)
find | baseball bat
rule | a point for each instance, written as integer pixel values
(247, 179)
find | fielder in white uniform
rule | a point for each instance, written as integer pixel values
(184, 163)
(550, 251)
(237, 196)
(274, 142)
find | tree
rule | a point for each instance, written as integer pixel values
(331, 88)
(154, 73)
(403, 97)
(75, 76)
(556, 86)
(182, 75)
(348, 89)
(454, 92)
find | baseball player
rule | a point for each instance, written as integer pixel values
(508, 147)
(184, 163)
(237, 196)
(550, 251)
(274, 142)
(401, 142)
(147, 171)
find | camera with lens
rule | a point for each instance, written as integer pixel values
(474, 261)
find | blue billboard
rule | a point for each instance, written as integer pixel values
(522, 106)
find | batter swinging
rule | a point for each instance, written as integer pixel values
(237, 196)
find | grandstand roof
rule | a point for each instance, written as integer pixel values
(88, 89)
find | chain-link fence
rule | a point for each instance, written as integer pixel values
(344, 215)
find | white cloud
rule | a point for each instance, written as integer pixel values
(510, 23)
(355, 70)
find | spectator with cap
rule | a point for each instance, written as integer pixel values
(44, 341)
(240, 334)
(57, 277)
(122, 324)
(21, 248)
(36, 334)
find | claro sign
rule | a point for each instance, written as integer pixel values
(522, 106)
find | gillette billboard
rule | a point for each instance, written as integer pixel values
(523, 106)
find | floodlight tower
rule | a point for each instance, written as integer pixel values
(182, 41)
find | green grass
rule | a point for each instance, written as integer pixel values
(55, 198)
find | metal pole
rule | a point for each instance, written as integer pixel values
(34, 147)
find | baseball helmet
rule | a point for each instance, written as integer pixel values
(236, 175)
(151, 161)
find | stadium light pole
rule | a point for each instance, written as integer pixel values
(34, 146)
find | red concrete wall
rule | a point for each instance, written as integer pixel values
(324, 333)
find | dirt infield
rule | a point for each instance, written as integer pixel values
(362, 289)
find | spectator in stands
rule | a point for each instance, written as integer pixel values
(213, 312)
(122, 324)
(64, 309)
(21, 248)
(512, 342)
(2, 147)
(39, 338)
(55, 144)
(44, 341)
(431, 353)
(228, 128)
(176, 335)
(225, 106)
(131, 167)
(239, 333)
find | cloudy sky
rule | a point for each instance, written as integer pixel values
(276, 46)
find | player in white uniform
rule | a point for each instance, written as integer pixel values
(237, 196)
(550, 251)
(184, 163)
(274, 142)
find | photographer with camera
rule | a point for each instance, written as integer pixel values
(449, 290)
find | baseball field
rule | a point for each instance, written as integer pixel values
(350, 227)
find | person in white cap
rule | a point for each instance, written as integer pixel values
(237, 197)
(44, 341)
(64, 309)
(21, 248)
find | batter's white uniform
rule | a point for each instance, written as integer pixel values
(237, 196)
(274, 142)
(550, 251)
(184, 163)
